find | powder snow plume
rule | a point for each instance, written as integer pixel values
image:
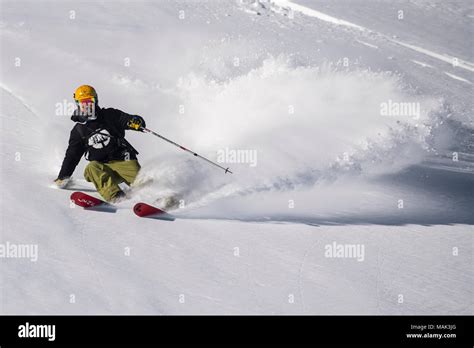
(291, 126)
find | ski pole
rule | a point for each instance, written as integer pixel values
(146, 130)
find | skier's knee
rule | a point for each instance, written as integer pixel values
(91, 168)
(135, 170)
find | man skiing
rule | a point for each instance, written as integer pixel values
(99, 133)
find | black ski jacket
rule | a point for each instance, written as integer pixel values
(100, 140)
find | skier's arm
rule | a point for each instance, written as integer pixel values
(74, 152)
(134, 122)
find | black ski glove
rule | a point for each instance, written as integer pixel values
(136, 122)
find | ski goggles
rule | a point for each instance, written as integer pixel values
(86, 110)
(89, 100)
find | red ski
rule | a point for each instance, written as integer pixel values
(148, 211)
(89, 202)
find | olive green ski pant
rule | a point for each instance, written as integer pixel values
(107, 176)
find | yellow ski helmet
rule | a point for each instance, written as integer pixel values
(84, 92)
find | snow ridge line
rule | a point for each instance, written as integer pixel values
(316, 14)
(20, 99)
(324, 17)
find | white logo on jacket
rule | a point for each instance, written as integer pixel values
(100, 139)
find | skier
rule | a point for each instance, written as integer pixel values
(99, 133)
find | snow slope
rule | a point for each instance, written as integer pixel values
(302, 91)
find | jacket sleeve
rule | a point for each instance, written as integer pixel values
(122, 118)
(74, 152)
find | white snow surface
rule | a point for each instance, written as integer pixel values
(298, 83)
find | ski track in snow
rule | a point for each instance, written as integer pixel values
(367, 44)
(324, 17)
(457, 78)
(424, 65)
